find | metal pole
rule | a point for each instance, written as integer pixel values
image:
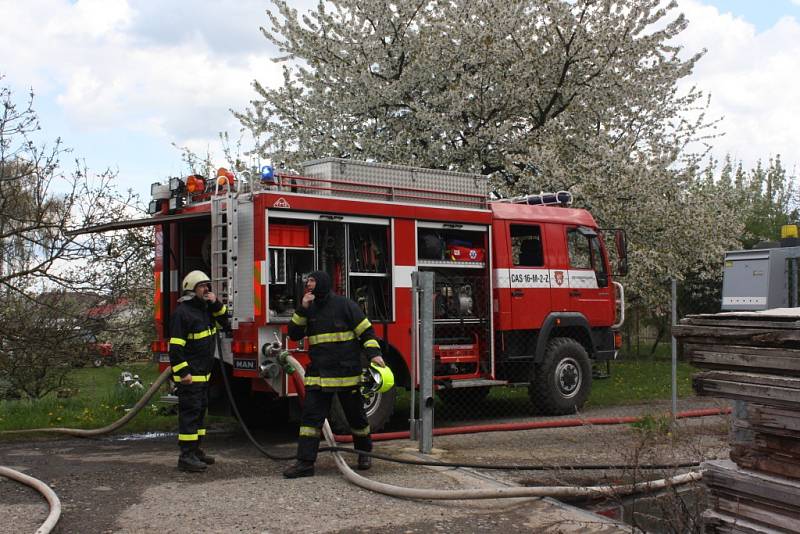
(413, 421)
(426, 363)
(674, 350)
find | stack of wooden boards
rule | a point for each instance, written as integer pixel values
(752, 358)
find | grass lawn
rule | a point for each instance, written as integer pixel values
(642, 380)
(98, 400)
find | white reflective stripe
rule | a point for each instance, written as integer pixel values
(752, 301)
(586, 279)
(522, 278)
(402, 275)
(544, 278)
(174, 283)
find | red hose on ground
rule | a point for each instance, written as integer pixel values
(557, 423)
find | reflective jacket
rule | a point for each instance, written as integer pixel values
(337, 332)
(193, 327)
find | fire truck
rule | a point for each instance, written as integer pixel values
(524, 294)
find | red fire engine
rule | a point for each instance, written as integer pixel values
(523, 287)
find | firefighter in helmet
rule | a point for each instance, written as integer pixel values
(337, 332)
(193, 330)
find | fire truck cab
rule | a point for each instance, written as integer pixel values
(524, 290)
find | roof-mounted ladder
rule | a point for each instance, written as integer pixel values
(561, 198)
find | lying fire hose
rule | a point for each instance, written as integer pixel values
(44, 489)
(493, 493)
(119, 423)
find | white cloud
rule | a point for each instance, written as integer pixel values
(752, 78)
(170, 69)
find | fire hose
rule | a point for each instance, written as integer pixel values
(119, 423)
(493, 493)
(52, 499)
(44, 489)
(291, 365)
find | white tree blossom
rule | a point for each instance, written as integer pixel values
(540, 94)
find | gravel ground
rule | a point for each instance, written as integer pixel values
(124, 485)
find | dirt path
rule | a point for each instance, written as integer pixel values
(127, 486)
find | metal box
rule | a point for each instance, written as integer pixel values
(379, 181)
(760, 279)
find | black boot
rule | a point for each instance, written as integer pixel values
(203, 457)
(301, 468)
(201, 454)
(188, 461)
(364, 462)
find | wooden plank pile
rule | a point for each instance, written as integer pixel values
(752, 358)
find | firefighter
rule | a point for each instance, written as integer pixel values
(337, 333)
(193, 328)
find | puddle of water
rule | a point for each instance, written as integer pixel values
(143, 436)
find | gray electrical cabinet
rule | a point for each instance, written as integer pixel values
(760, 279)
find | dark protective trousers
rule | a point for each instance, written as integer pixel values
(192, 405)
(317, 407)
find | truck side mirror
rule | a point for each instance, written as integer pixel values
(621, 245)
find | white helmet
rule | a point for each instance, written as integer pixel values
(191, 280)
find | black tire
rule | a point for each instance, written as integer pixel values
(97, 361)
(561, 383)
(379, 407)
(463, 396)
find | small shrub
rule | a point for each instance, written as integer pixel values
(660, 424)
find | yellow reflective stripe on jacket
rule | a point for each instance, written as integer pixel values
(187, 437)
(333, 381)
(360, 432)
(201, 335)
(201, 432)
(220, 312)
(309, 432)
(331, 338)
(195, 378)
(179, 366)
(363, 325)
(177, 341)
(299, 320)
(371, 343)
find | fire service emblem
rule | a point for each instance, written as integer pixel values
(559, 277)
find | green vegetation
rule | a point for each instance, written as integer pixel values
(92, 399)
(637, 381)
(97, 400)
(654, 424)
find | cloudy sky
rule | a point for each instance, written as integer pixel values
(120, 81)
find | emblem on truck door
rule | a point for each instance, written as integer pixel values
(559, 277)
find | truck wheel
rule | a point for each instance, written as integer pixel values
(561, 383)
(379, 408)
(463, 396)
(97, 361)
